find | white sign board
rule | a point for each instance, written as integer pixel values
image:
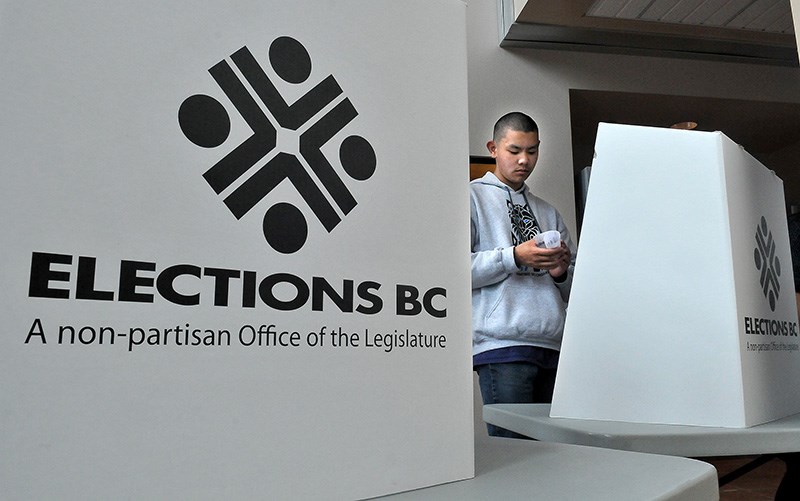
(682, 310)
(229, 270)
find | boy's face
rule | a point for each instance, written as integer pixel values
(516, 154)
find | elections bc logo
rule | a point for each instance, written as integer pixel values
(206, 123)
(768, 263)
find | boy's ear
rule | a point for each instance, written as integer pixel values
(492, 147)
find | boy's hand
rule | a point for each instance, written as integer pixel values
(555, 260)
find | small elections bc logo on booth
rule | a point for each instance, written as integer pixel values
(258, 165)
(767, 263)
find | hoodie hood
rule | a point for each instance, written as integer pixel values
(490, 179)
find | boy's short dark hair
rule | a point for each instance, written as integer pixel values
(516, 121)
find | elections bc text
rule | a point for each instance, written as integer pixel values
(55, 276)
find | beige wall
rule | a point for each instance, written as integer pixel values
(538, 82)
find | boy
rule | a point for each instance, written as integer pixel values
(519, 290)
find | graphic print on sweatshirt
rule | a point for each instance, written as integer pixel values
(523, 228)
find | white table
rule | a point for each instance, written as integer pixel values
(533, 420)
(521, 469)
(780, 437)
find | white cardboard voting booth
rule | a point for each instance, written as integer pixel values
(682, 310)
(227, 271)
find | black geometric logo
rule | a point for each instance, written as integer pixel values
(206, 123)
(768, 263)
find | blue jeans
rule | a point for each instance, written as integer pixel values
(514, 383)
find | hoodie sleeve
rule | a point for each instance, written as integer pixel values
(488, 266)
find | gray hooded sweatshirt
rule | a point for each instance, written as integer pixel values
(513, 305)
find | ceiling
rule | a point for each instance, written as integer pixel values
(770, 16)
(754, 31)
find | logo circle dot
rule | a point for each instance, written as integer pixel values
(285, 228)
(358, 158)
(204, 121)
(290, 60)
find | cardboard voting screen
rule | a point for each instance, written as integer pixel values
(682, 309)
(227, 273)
